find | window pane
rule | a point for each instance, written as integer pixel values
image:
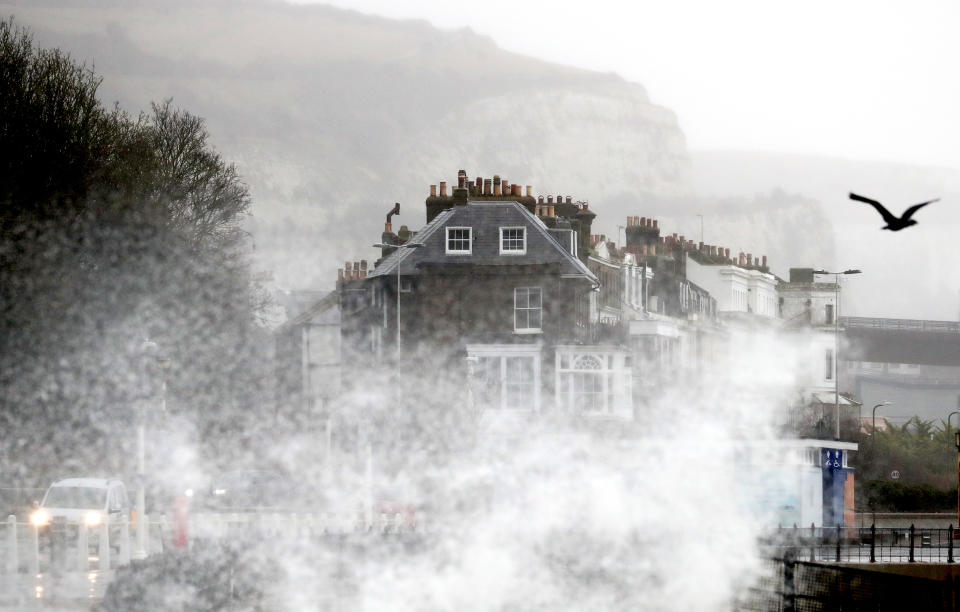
(534, 297)
(527, 308)
(533, 319)
(458, 239)
(512, 239)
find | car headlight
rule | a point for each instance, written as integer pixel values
(40, 518)
(92, 518)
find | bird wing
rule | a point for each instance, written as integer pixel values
(886, 214)
(907, 213)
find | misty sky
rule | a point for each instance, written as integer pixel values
(858, 79)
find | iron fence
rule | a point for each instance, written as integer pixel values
(865, 544)
(787, 584)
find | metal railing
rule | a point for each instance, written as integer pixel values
(902, 324)
(63, 545)
(865, 544)
(790, 584)
(818, 421)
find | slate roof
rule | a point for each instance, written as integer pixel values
(485, 218)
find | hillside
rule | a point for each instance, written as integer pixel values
(331, 116)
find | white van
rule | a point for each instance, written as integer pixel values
(83, 500)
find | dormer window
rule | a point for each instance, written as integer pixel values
(513, 240)
(459, 241)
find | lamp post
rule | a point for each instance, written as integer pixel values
(408, 245)
(836, 342)
(957, 440)
(149, 353)
(874, 424)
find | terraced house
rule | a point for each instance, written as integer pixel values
(494, 289)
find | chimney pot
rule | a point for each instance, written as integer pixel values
(433, 191)
(529, 191)
(654, 224)
(363, 264)
(540, 199)
(764, 261)
(643, 221)
(339, 274)
(517, 190)
(462, 179)
(443, 189)
(569, 200)
(387, 227)
(749, 259)
(487, 187)
(549, 199)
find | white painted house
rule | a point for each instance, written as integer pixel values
(736, 289)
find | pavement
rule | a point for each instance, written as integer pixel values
(53, 592)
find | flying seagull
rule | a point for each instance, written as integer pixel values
(894, 224)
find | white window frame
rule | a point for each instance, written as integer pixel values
(614, 375)
(468, 250)
(516, 309)
(503, 352)
(522, 250)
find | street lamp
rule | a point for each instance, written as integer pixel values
(836, 342)
(875, 414)
(408, 245)
(149, 352)
(957, 440)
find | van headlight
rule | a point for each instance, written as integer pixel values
(92, 518)
(40, 518)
